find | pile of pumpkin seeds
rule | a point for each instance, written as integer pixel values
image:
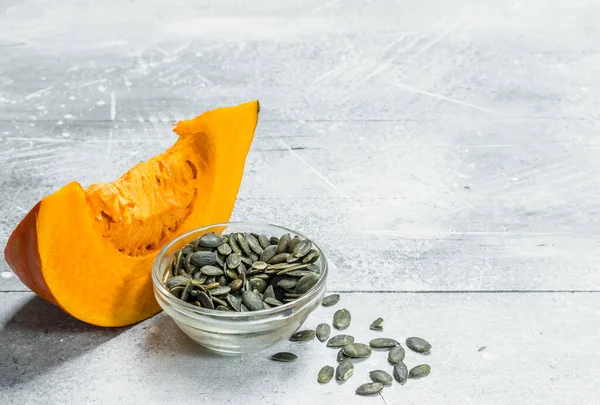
(243, 271)
(349, 350)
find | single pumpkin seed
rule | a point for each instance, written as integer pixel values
(236, 284)
(247, 261)
(219, 301)
(232, 274)
(263, 240)
(223, 280)
(211, 270)
(420, 371)
(381, 376)
(220, 290)
(284, 241)
(330, 300)
(377, 324)
(272, 301)
(220, 260)
(225, 249)
(418, 345)
(199, 284)
(233, 260)
(241, 269)
(323, 332)
(300, 273)
(201, 279)
(357, 350)
(341, 356)
(401, 373)
(396, 355)
(234, 302)
(254, 244)
(302, 248)
(241, 240)
(211, 240)
(314, 268)
(258, 284)
(262, 276)
(176, 291)
(291, 267)
(260, 265)
(268, 253)
(200, 259)
(187, 249)
(186, 291)
(274, 240)
(222, 308)
(269, 292)
(253, 257)
(252, 301)
(303, 336)
(340, 340)
(344, 370)
(205, 300)
(311, 257)
(325, 374)
(287, 283)
(255, 291)
(212, 285)
(284, 357)
(383, 343)
(234, 245)
(341, 318)
(307, 282)
(369, 389)
(175, 281)
(279, 258)
(292, 259)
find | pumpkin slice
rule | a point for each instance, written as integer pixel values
(90, 251)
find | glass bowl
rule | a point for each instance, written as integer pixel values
(230, 332)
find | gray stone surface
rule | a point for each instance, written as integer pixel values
(429, 146)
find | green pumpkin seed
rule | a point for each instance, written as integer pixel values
(274, 240)
(287, 283)
(252, 301)
(369, 389)
(292, 259)
(307, 282)
(186, 291)
(233, 260)
(234, 245)
(272, 301)
(330, 300)
(279, 258)
(300, 273)
(223, 280)
(344, 370)
(232, 274)
(236, 284)
(187, 249)
(284, 241)
(211, 286)
(325, 374)
(268, 254)
(341, 356)
(295, 240)
(254, 244)
(314, 268)
(258, 284)
(176, 281)
(199, 284)
(200, 259)
(381, 376)
(211, 240)
(220, 260)
(224, 249)
(323, 332)
(340, 340)
(303, 336)
(357, 350)
(234, 302)
(284, 357)
(292, 295)
(290, 268)
(341, 318)
(259, 265)
(263, 240)
(219, 301)
(246, 261)
(253, 257)
(420, 371)
(205, 300)
(418, 345)
(383, 343)
(220, 290)
(401, 373)
(241, 269)
(302, 248)
(241, 240)
(211, 270)
(396, 355)
(222, 308)
(311, 257)
(377, 324)
(262, 276)
(269, 293)
(176, 291)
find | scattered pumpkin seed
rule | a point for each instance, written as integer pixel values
(254, 244)
(340, 340)
(200, 259)
(224, 249)
(341, 356)
(303, 336)
(241, 240)
(232, 274)
(295, 240)
(325, 374)
(323, 332)
(420, 371)
(176, 281)
(377, 324)
(302, 248)
(369, 388)
(396, 355)
(285, 357)
(211, 240)
(330, 300)
(341, 318)
(209, 270)
(344, 370)
(357, 350)
(383, 343)
(418, 345)
(381, 376)
(268, 253)
(258, 284)
(233, 260)
(282, 246)
(401, 373)
(287, 283)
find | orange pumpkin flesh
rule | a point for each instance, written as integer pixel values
(91, 251)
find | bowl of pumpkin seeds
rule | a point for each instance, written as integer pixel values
(239, 287)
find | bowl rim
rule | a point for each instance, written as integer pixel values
(189, 309)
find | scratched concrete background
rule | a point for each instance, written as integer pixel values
(444, 154)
